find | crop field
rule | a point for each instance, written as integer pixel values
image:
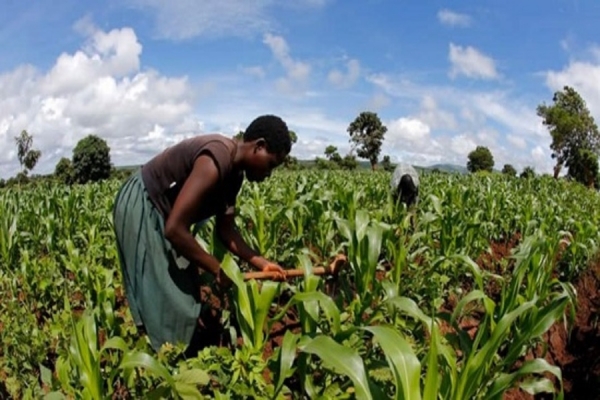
(489, 291)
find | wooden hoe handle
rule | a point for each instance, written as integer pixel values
(332, 269)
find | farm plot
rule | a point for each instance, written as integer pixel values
(492, 294)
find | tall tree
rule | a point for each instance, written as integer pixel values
(28, 157)
(366, 133)
(386, 163)
(528, 172)
(91, 160)
(508, 169)
(571, 127)
(331, 152)
(480, 159)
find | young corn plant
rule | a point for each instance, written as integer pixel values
(363, 242)
(91, 372)
(252, 302)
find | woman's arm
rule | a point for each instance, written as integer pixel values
(230, 236)
(235, 243)
(177, 227)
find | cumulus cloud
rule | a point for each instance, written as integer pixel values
(344, 80)
(296, 71)
(583, 76)
(451, 18)
(434, 116)
(460, 119)
(470, 62)
(100, 90)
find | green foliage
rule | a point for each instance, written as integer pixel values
(584, 167)
(367, 132)
(480, 159)
(572, 128)
(331, 152)
(91, 160)
(27, 156)
(64, 171)
(509, 170)
(386, 163)
(528, 172)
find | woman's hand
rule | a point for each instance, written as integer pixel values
(280, 274)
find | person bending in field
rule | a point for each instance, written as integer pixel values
(154, 210)
(405, 185)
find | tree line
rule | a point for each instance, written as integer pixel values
(575, 145)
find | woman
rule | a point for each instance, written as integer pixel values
(405, 184)
(155, 208)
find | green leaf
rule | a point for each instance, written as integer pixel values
(187, 391)
(46, 375)
(403, 362)
(285, 361)
(147, 362)
(54, 396)
(432, 378)
(194, 376)
(342, 360)
(507, 381)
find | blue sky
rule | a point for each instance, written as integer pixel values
(143, 74)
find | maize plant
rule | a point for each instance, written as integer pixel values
(445, 301)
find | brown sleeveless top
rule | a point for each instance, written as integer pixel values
(165, 174)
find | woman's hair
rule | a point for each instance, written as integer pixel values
(273, 130)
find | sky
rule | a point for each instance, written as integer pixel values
(444, 77)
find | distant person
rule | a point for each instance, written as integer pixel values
(405, 185)
(155, 209)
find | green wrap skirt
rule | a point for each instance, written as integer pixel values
(163, 296)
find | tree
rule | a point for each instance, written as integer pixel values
(571, 127)
(331, 152)
(386, 163)
(366, 133)
(528, 172)
(508, 169)
(480, 159)
(91, 160)
(584, 167)
(64, 171)
(293, 137)
(28, 157)
(349, 162)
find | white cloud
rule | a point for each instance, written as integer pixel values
(470, 62)
(256, 71)
(339, 79)
(451, 18)
(434, 116)
(460, 119)
(583, 77)
(378, 101)
(462, 145)
(100, 90)
(517, 141)
(296, 71)
(185, 19)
